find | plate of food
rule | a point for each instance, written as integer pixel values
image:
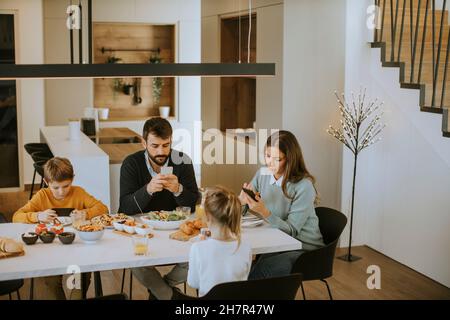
(164, 220)
(121, 217)
(90, 233)
(104, 220)
(65, 221)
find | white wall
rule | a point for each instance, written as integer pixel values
(402, 207)
(30, 93)
(314, 56)
(269, 93)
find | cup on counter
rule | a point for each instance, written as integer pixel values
(74, 129)
(103, 113)
(140, 245)
(164, 111)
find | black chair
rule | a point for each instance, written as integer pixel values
(281, 288)
(9, 286)
(39, 158)
(318, 264)
(44, 153)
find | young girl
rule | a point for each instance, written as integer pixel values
(222, 257)
(287, 195)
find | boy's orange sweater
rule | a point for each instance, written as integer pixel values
(77, 198)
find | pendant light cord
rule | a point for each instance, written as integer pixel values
(239, 14)
(249, 29)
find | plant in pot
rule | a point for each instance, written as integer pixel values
(157, 82)
(117, 84)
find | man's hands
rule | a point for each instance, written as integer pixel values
(160, 182)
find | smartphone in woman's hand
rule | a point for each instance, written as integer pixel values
(250, 193)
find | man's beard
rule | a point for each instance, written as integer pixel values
(159, 159)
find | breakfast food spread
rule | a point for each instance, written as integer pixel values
(10, 246)
(188, 230)
(104, 220)
(166, 215)
(90, 228)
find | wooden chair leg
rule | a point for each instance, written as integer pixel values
(10, 296)
(303, 292)
(18, 295)
(328, 288)
(185, 288)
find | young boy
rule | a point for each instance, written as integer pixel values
(58, 175)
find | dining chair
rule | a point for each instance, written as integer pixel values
(44, 153)
(280, 288)
(9, 286)
(39, 158)
(318, 264)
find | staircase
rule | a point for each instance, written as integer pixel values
(414, 35)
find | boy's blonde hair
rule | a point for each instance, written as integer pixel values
(58, 169)
(225, 208)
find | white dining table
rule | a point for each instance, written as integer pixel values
(114, 251)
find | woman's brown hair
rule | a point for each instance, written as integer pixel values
(295, 169)
(224, 207)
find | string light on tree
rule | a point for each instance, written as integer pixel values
(356, 135)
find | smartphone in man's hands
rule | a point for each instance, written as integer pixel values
(166, 170)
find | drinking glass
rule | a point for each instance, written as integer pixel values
(140, 245)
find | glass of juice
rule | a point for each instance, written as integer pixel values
(140, 245)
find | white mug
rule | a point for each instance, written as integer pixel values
(74, 129)
(164, 111)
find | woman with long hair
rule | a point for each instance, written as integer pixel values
(285, 197)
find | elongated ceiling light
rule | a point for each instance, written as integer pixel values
(118, 70)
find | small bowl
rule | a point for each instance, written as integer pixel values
(129, 229)
(118, 225)
(47, 237)
(30, 239)
(66, 237)
(143, 229)
(91, 236)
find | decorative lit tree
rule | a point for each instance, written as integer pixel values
(357, 136)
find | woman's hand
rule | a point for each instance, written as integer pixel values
(47, 216)
(257, 206)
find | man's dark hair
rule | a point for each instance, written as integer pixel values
(157, 126)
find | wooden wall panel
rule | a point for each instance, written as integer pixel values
(133, 36)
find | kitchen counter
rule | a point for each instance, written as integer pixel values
(90, 163)
(117, 152)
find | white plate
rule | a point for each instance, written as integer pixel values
(251, 223)
(163, 225)
(66, 221)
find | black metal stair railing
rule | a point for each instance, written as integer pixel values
(416, 71)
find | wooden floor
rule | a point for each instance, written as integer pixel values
(348, 282)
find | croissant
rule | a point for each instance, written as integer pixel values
(10, 246)
(198, 224)
(187, 229)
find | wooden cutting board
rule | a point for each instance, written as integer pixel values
(181, 236)
(5, 255)
(123, 233)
